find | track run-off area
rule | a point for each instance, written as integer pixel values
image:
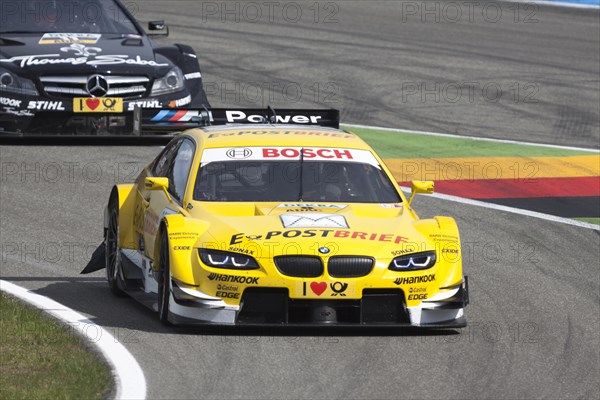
(527, 74)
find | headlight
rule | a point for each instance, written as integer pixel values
(12, 83)
(171, 82)
(224, 259)
(413, 262)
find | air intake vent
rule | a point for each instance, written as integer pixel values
(299, 266)
(350, 266)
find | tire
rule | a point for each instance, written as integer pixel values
(164, 280)
(111, 243)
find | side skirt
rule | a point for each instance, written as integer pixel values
(140, 282)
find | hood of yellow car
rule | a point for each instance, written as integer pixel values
(271, 229)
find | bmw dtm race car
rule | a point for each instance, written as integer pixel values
(278, 218)
(81, 67)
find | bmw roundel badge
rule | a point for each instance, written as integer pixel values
(324, 250)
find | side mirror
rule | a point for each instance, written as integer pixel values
(420, 187)
(156, 183)
(158, 26)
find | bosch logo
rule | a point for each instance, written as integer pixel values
(97, 86)
(238, 154)
(324, 250)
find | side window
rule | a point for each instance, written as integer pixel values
(165, 159)
(180, 169)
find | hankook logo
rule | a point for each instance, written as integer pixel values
(97, 86)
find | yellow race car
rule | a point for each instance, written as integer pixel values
(278, 218)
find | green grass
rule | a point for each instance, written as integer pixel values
(590, 220)
(42, 359)
(412, 145)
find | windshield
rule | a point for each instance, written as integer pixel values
(64, 16)
(279, 181)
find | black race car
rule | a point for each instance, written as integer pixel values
(81, 67)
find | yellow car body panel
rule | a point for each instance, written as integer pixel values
(126, 195)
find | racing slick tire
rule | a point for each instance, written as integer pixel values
(111, 243)
(164, 280)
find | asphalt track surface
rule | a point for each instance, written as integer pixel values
(535, 284)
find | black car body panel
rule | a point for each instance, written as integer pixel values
(86, 77)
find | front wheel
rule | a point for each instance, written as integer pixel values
(164, 280)
(111, 243)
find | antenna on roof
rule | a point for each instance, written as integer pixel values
(203, 118)
(273, 117)
(208, 121)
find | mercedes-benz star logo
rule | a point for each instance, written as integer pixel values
(97, 86)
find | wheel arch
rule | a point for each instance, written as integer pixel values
(125, 198)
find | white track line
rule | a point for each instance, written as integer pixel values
(551, 146)
(512, 210)
(129, 377)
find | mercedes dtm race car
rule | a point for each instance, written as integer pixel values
(81, 67)
(284, 221)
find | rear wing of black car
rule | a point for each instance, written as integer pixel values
(147, 121)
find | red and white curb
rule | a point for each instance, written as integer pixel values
(129, 377)
(471, 202)
(512, 210)
(476, 138)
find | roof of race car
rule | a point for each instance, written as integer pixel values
(275, 135)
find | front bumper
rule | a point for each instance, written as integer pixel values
(52, 116)
(273, 306)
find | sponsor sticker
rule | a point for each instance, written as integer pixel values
(180, 102)
(193, 75)
(5, 101)
(238, 153)
(313, 220)
(144, 104)
(409, 280)
(182, 235)
(320, 233)
(182, 248)
(385, 205)
(95, 104)
(443, 237)
(260, 132)
(240, 116)
(19, 113)
(46, 105)
(417, 293)
(319, 290)
(245, 280)
(227, 295)
(291, 153)
(400, 252)
(79, 54)
(59, 38)
(312, 205)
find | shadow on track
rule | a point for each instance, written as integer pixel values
(91, 296)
